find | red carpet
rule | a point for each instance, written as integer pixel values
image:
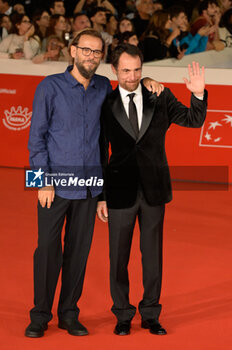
(197, 283)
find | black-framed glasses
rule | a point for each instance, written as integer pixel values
(87, 51)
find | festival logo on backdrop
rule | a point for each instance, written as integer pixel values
(217, 129)
(17, 118)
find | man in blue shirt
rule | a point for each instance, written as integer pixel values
(64, 138)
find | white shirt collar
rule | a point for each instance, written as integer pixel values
(124, 92)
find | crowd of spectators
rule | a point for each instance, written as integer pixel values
(42, 30)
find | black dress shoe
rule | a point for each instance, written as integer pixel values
(154, 327)
(73, 326)
(122, 328)
(35, 330)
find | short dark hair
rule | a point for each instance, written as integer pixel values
(52, 3)
(176, 10)
(90, 32)
(79, 14)
(203, 5)
(131, 50)
(124, 19)
(95, 10)
(125, 36)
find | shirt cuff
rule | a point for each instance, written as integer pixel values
(199, 97)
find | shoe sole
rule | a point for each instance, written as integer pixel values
(146, 327)
(121, 334)
(33, 335)
(77, 333)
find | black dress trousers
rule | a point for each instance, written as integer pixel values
(49, 258)
(121, 226)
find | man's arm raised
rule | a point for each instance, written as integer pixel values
(196, 82)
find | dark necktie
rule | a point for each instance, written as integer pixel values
(133, 116)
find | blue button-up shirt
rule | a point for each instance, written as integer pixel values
(65, 128)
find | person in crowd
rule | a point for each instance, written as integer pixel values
(55, 51)
(128, 38)
(19, 7)
(68, 28)
(129, 9)
(57, 8)
(188, 5)
(111, 29)
(137, 179)
(41, 20)
(225, 29)
(5, 7)
(5, 26)
(125, 25)
(157, 5)
(57, 26)
(57, 131)
(80, 22)
(185, 40)
(144, 12)
(157, 39)
(27, 7)
(22, 43)
(98, 19)
(209, 16)
(86, 6)
(111, 24)
(225, 5)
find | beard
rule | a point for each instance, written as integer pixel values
(86, 73)
(130, 87)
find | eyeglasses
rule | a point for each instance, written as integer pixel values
(86, 51)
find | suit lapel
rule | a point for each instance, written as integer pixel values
(149, 103)
(119, 112)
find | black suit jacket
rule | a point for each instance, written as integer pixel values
(142, 161)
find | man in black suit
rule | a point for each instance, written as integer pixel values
(137, 180)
